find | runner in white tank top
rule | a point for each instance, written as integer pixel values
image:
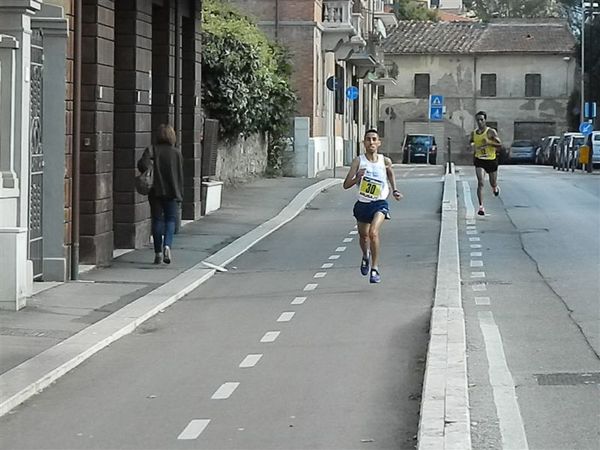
(373, 175)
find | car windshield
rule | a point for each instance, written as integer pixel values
(597, 138)
(522, 144)
(419, 140)
(578, 141)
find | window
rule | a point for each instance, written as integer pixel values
(421, 85)
(533, 85)
(488, 84)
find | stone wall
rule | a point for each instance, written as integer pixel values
(242, 160)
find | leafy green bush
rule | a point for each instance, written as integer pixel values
(245, 78)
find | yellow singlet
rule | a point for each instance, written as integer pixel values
(489, 151)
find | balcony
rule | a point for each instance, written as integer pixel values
(368, 57)
(337, 23)
(388, 18)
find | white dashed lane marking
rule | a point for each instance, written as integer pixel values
(193, 429)
(479, 287)
(474, 239)
(298, 300)
(470, 232)
(310, 287)
(327, 266)
(476, 263)
(340, 249)
(250, 360)
(482, 301)
(334, 257)
(354, 232)
(286, 316)
(225, 391)
(270, 336)
(477, 274)
(320, 275)
(475, 245)
(476, 254)
(348, 240)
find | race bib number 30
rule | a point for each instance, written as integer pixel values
(370, 188)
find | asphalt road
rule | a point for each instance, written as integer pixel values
(531, 291)
(290, 349)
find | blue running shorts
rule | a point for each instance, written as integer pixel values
(365, 211)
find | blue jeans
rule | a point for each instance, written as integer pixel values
(164, 217)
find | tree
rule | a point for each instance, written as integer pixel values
(245, 78)
(413, 10)
(489, 9)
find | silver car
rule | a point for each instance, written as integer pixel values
(522, 151)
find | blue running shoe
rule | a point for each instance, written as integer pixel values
(364, 265)
(375, 277)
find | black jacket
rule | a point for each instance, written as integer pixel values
(168, 170)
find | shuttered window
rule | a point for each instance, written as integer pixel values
(421, 85)
(533, 85)
(488, 84)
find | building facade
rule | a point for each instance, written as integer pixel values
(328, 38)
(520, 72)
(84, 84)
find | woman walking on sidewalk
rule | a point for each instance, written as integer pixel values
(167, 189)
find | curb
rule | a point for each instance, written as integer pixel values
(35, 374)
(445, 419)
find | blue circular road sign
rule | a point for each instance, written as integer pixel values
(586, 128)
(352, 93)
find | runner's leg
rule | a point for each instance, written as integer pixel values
(480, 177)
(494, 180)
(363, 233)
(374, 238)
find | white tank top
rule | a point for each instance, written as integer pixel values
(374, 185)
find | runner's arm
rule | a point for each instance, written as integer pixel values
(353, 177)
(493, 138)
(392, 178)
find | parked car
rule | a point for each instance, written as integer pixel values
(567, 152)
(543, 152)
(523, 150)
(416, 147)
(593, 142)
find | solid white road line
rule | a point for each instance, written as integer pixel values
(270, 336)
(298, 300)
(477, 274)
(327, 266)
(482, 301)
(340, 249)
(250, 360)
(334, 257)
(320, 275)
(286, 316)
(476, 263)
(503, 386)
(470, 213)
(193, 429)
(310, 287)
(225, 391)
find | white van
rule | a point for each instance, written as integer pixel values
(593, 142)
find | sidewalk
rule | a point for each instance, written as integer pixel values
(65, 323)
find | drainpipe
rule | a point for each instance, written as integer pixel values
(177, 102)
(75, 191)
(277, 20)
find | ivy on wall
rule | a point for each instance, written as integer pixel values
(245, 79)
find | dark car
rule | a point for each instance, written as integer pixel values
(419, 148)
(543, 152)
(522, 150)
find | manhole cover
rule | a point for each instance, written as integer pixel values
(568, 379)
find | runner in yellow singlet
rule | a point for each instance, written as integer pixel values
(486, 145)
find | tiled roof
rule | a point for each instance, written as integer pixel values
(432, 37)
(515, 36)
(553, 37)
